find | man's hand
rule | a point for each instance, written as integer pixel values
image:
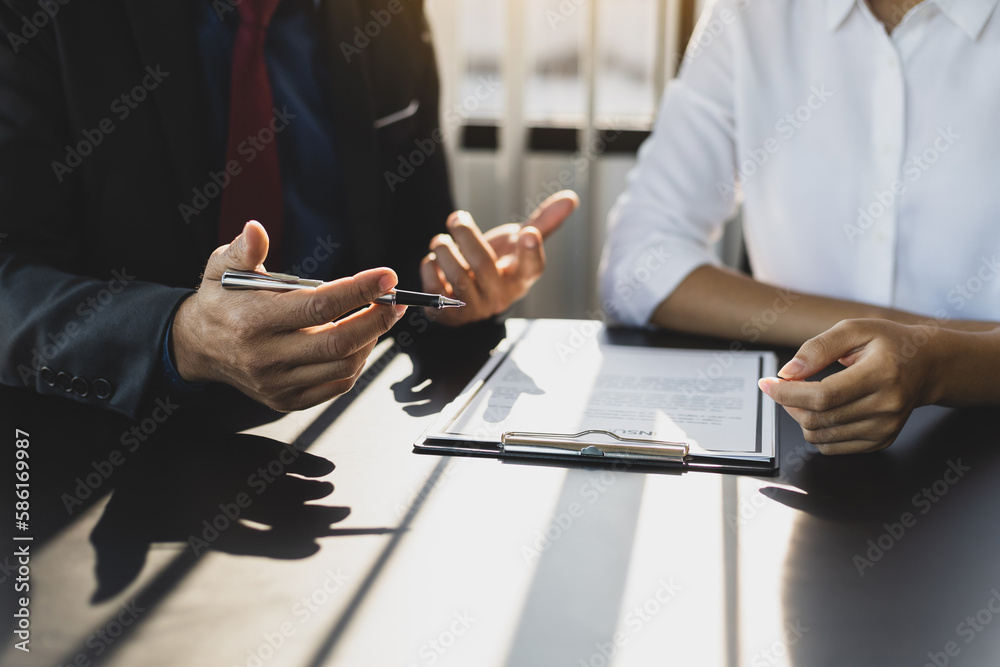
(281, 349)
(490, 271)
(891, 369)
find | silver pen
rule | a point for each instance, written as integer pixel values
(283, 282)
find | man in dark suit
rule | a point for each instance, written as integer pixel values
(126, 170)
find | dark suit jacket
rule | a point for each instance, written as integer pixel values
(95, 252)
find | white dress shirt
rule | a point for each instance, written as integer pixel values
(867, 165)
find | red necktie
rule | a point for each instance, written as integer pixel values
(255, 192)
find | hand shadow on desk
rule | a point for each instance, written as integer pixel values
(200, 491)
(502, 400)
(444, 360)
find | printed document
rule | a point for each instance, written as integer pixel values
(562, 376)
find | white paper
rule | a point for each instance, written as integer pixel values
(559, 378)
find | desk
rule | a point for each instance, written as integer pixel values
(395, 558)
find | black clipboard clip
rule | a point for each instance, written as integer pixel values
(580, 445)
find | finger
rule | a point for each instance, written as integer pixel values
(864, 435)
(314, 374)
(833, 392)
(530, 255)
(456, 271)
(307, 308)
(863, 409)
(503, 240)
(868, 430)
(246, 252)
(324, 392)
(841, 340)
(313, 396)
(553, 211)
(343, 339)
(476, 251)
(431, 278)
(857, 446)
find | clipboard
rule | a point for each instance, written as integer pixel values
(598, 446)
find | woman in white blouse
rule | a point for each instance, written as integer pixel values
(860, 139)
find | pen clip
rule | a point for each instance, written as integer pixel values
(526, 442)
(236, 279)
(284, 277)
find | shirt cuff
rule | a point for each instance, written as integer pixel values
(635, 280)
(172, 378)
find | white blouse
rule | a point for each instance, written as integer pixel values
(867, 165)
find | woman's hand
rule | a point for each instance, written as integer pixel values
(891, 369)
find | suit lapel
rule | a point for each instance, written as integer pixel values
(164, 34)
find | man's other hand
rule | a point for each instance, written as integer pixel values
(490, 271)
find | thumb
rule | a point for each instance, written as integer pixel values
(837, 342)
(553, 211)
(246, 252)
